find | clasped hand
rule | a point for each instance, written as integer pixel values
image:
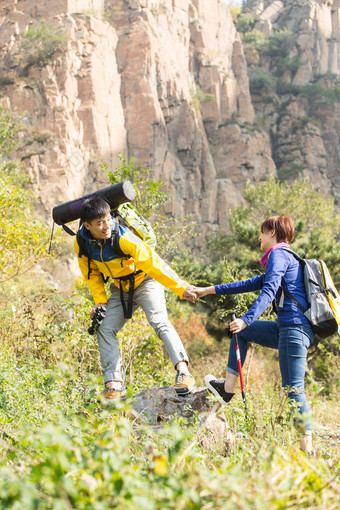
(192, 293)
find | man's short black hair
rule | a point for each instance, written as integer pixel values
(93, 208)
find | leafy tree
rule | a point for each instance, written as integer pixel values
(279, 44)
(150, 200)
(245, 22)
(254, 37)
(41, 42)
(235, 10)
(9, 129)
(234, 256)
(23, 239)
(260, 78)
(317, 225)
(320, 98)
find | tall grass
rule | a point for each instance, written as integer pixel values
(60, 449)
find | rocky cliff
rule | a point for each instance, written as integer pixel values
(301, 53)
(165, 82)
(160, 81)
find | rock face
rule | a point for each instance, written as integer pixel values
(305, 128)
(164, 82)
(157, 405)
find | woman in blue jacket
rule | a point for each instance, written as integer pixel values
(291, 334)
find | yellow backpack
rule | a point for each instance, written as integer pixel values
(331, 292)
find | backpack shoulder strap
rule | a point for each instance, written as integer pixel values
(286, 291)
(83, 251)
(114, 240)
(290, 295)
(82, 245)
(300, 259)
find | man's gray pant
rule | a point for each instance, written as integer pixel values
(150, 296)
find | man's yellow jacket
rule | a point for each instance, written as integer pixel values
(137, 256)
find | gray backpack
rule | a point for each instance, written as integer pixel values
(322, 297)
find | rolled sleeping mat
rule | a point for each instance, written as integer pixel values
(115, 195)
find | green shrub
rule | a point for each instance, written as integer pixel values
(41, 43)
(255, 38)
(172, 234)
(246, 22)
(235, 10)
(23, 239)
(283, 87)
(279, 44)
(9, 129)
(260, 78)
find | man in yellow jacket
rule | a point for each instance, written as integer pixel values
(139, 275)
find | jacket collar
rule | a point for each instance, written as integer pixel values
(264, 259)
(86, 234)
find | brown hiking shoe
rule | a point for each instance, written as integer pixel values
(184, 384)
(111, 393)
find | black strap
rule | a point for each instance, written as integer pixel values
(285, 291)
(49, 250)
(114, 241)
(127, 309)
(300, 259)
(131, 278)
(299, 305)
(68, 230)
(83, 251)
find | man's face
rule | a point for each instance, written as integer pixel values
(100, 228)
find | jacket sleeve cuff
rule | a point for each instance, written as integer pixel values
(180, 290)
(246, 320)
(102, 298)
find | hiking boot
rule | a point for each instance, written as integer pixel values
(184, 384)
(216, 386)
(111, 393)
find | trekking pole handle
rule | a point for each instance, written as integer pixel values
(232, 316)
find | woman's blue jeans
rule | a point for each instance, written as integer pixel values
(292, 343)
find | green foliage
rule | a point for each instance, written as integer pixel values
(254, 37)
(9, 129)
(246, 22)
(314, 215)
(92, 458)
(149, 195)
(320, 98)
(60, 449)
(279, 44)
(235, 10)
(260, 78)
(23, 240)
(150, 201)
(288, 64)
(316, 91)
(284, 87)
(290, 171)
(41, 43)
(198, 97)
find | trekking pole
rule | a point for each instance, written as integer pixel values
(238, 357)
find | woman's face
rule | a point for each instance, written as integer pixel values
(267, 240)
